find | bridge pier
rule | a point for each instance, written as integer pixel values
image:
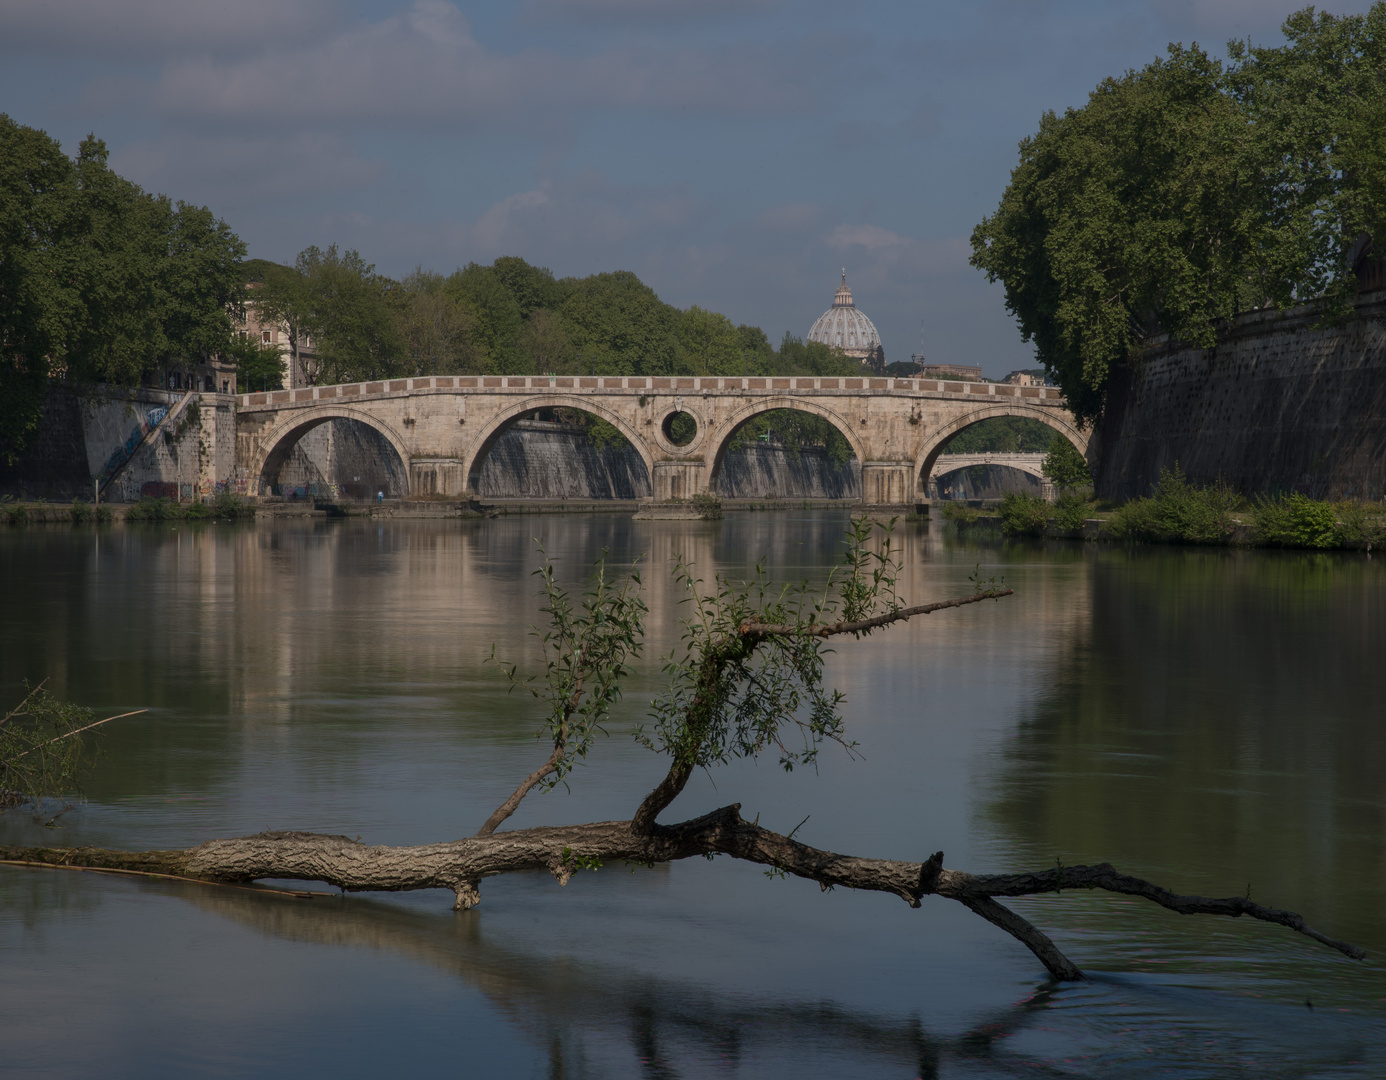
(887, 483)
(437, 476)
(678, 479)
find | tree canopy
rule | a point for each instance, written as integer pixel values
(99, 280)
(1191, 190)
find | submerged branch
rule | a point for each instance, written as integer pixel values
(562, 850)
(826, 630)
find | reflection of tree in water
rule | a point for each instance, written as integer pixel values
(1215, 724)
(671, 1029)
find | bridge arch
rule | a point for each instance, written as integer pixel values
(749, 412)
(934, 441)
(496, 426)
(278, 443)
(944, 465)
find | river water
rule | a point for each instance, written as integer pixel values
(1211, 719)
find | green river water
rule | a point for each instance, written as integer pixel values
(1212, 719)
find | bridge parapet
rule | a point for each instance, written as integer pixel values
(635, 384)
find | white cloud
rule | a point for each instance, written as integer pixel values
(424, 65)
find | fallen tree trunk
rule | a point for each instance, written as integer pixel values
(562, 850)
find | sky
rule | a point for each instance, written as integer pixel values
(735, 154)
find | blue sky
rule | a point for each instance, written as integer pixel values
(734, 153)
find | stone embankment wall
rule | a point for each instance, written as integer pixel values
(538, 460)
(132, 441)
(758, 471)
(1280, 404)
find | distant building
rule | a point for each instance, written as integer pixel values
(950, 371)
(296, 354)
(1028, 377)
(843, 327)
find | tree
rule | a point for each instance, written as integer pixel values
(499, 319)
(1187, 192)
(546, 344)
(99, 281)
(1064, 466)
(746, 680)
(337, 300)
(711, 344)
(1135, 214)
(258, 366)
(439, 330)
(620, 327)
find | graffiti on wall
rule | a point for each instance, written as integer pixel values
(123, 453)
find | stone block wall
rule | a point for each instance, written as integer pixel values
(114, 433)
(1280, 404)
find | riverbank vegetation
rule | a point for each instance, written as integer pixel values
(746, 680)
(1191, 190)
(1181, 512)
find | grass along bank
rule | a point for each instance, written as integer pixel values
(1179, 512)
(221, 508)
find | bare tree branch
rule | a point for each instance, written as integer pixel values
(859, 626)
(563, 850)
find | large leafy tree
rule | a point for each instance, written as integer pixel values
(336, 300)
(1186, 192)
(1136, 214)
(439, 329)
(620, 327)
(99, 281)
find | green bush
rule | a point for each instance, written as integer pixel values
(229, 505)
(16, 515)
(960, 512)
(1179, 511)
(197, 511)
(1358, 525)
(153, 510)
(708, 505)
(81, 512)
(1296, 521)
(1070, 511)
(1025, 515)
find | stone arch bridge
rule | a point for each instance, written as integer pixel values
(442, 427)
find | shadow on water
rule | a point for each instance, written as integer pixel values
(1215, 725)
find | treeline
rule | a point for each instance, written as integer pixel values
(103, 282)
(508, 318)
(1192, 190)
(99, 281)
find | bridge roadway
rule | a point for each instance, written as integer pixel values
(442, 427)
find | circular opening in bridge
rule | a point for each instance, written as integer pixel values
(679, 428)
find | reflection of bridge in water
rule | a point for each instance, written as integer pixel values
(443, 427)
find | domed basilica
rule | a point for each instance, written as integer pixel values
(843, 327)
